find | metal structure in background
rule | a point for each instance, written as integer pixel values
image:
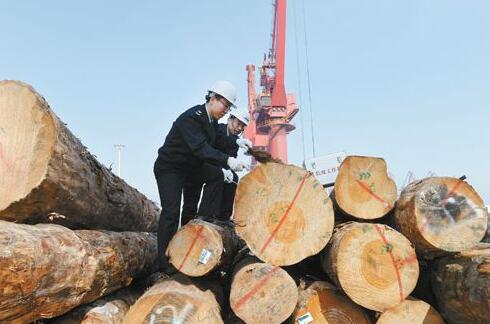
(271, 109)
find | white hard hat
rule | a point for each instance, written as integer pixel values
(226, 90)
(241, 114)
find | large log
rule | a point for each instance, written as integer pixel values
(461, 285)
(176, 300)
(374, 265)
(322, 303)
(261, 292)
(411, 311)
(440, 215)
(200, 247)
(282, 213)
(44, 168)
(363, 188)
(47, 270)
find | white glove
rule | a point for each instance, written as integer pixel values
(244, 143)
(235, 165)
(228, 175)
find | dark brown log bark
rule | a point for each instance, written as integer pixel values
(461, 285)
(200, 247)
(47, 270)
(45, 169)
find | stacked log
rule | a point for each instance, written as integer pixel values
(461, 284)
(47, 269)
(363, 189)
(411, 311)
(200, 247)
(261, 292)
(283, 213)
(322, 303)
(45, 169)
(372, 263)
(441, 215)
(176, 300)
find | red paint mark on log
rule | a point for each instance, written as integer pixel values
(398, 277)
(198, 233)
(375, 196)
(256, 288)
(283, 218)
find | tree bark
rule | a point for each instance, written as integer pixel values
(282, 213)
(461, 285)
(46, 270)
(200, 247)
(441, 215)
(411, 311)
(176, 300)
(110, 309)
(262, 293)
(363, 189)
(373, 264)
(45, 169)
(322, 303)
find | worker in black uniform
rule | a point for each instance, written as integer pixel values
(239, 118)
(189, 152)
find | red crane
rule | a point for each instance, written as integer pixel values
(272, 109)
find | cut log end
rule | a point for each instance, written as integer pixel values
(282, 213)
(411, 311)
(196, 248)
(175, 300)
(374, 265)
(441, 214)
(363, 188)
(26, 140)
(262, 293)
(322, 303)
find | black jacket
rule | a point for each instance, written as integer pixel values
(228, 145)
(191, 141)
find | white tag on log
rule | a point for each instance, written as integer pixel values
(204, 257)
(305, 319)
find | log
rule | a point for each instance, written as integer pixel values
(45, 169)
(109, 309)
(321, 302)
(461, 285)
(283, 213)
(176, 300)
(441, 215)
(411, 311)
(261, 292)
(363, 189)
(47, 270)
(200, 247)
(374, 265)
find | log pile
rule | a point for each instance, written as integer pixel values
(74, 238)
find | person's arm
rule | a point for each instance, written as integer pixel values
(224, 142)
(193, 135)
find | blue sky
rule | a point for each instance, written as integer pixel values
(405, 80)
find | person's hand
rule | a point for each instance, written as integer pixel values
(244, 143)
(228, 175)
(235, 165)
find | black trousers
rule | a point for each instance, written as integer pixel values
(192, 193)
(170, 183)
